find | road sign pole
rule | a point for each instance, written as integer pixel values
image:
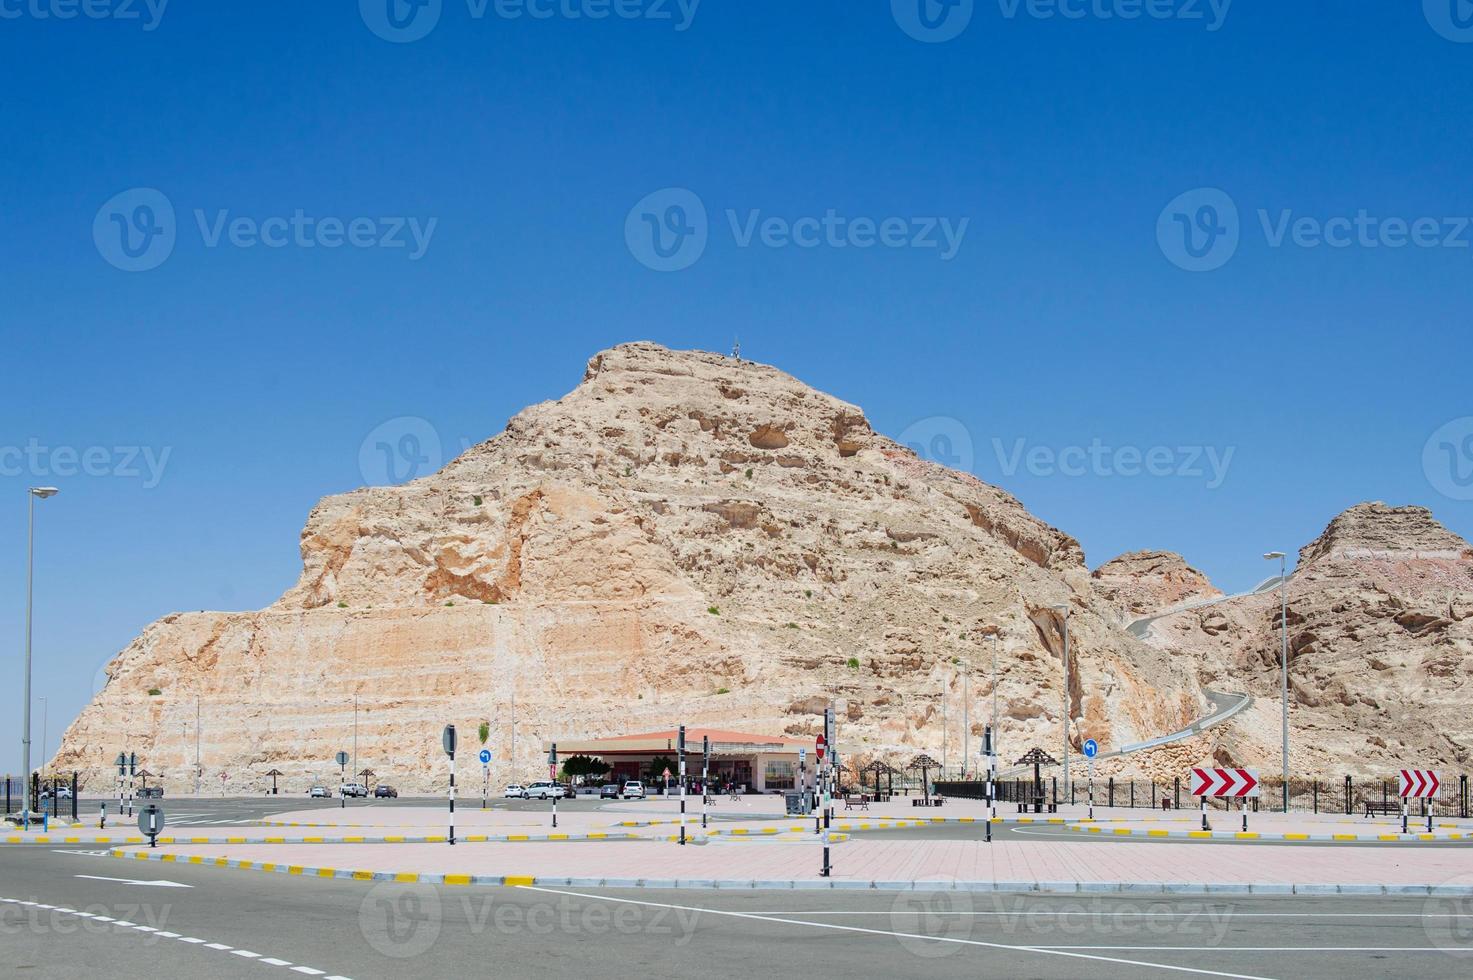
(991, 770)
(552, 768)
(705, 777)
(680, 755)
(1091, 788)
(1205, 825)
(826, 769)
(485, 785)
(448, 742)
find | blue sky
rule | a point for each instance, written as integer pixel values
(1066, 330)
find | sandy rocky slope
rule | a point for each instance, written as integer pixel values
(689, 538)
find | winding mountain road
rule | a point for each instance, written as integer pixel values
(1222, 705)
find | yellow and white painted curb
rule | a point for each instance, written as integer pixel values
(1331, 838)
(845, 884)
(116, 839)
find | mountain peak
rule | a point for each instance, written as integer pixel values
(1375, 529)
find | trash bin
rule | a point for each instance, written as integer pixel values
(795, 804)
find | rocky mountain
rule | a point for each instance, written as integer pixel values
(1380, 623)
(682, 538)
(685, 537)
(1143, 583)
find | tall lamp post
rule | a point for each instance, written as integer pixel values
(1065, 610)
(31, 496)
(995, 749)
(1284, 661)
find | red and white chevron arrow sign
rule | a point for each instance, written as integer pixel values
(1419, 783)
(1225, 782)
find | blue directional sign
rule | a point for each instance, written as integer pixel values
(485, 757)
(1091, 748)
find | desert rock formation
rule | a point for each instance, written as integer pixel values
(683, 537)
(1380, 624)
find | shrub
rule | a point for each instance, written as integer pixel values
(853, 663)
(792, 626)
(154, 692)
(723, 690)
(484, 732)
(477, 499)
(713, 610)
(749, 472)
(342, 605)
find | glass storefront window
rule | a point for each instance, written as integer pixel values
(778, 774)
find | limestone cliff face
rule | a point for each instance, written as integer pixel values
(1380, 649)
(682, 538)
(1143, 583)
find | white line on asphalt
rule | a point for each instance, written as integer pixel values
(157, 934)
(901, 935)
(1164, 913)
(156, 883)
(1263, 949)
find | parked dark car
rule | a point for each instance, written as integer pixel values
(385, 792)
(151, 793)
(610, 791)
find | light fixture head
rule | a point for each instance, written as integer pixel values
(44, 492)
(1274, 554)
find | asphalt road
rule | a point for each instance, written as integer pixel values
(235, 924)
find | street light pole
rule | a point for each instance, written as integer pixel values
(44, 707)
(31, 495)
(1065, 610)
(1284, 662)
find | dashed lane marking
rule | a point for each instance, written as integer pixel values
(187, 940)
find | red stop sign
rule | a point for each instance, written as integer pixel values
(818, 747)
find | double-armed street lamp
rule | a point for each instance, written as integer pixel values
(1284, 661)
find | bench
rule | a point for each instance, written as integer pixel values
(852, 802)
(1383, 808)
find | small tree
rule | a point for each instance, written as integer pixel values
(484, 731)
(659, 764)
(578, 766)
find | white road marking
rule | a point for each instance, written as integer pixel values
(157, 883)
(903, 935)
(159, 934)
(1263, 949)
(1166, 913)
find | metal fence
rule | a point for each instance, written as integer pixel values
(1348, 795)
(55, 797)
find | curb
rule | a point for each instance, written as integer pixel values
(1255, 835)
(822, 884)
(391, 839)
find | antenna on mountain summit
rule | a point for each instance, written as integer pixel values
(736, 349)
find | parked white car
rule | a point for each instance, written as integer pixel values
(544, 790)
(355, 789)
(320, 793)
(634, 790)
(516, 791)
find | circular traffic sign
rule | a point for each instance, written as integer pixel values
(485, 757)
(151, 819)
(819, 744)
(1091, 748)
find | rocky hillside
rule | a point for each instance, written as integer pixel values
(684, 537)
(1380, 650)
(1143, 583)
